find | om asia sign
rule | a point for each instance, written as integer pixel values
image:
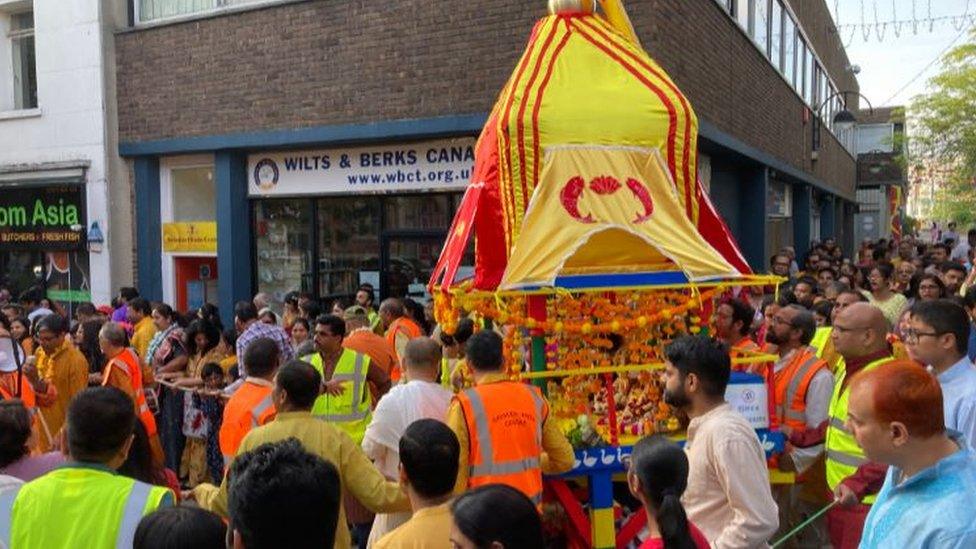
(50, 217)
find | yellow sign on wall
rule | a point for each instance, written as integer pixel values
(195, 236)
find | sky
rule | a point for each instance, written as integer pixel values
(896, 68)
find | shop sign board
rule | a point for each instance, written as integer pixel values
(190, 237)
(49, 217)
(438, 165)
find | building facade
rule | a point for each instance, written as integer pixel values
(881, 174)
(64, 195)
(326, 146)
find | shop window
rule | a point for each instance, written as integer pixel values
(419, 212)
(283, 245)
(349, 244)
(24, 62)
(194, 197)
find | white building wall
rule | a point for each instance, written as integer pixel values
(75, 121)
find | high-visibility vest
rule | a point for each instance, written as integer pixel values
(792, 382)
(349, 411)
(820, 338)
(843, 454)
(76, 507)
(128, 363)
(504, 422)
(407, 327)
(249, 407)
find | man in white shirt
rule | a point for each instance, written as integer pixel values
(728, 496)
(961, 252)
(421, 397)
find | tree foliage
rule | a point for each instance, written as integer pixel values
(945, 120)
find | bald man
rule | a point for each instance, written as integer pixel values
(421, 397)
(860, 337)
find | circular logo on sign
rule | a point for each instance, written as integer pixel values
(748, 396)
(266, 174)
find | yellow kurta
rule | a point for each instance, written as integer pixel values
(429, 528)
(358, 474)
(557, 454)
(67, 370)
(142, 334)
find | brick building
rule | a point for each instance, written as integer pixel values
(237, 117)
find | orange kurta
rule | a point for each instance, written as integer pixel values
(66, 369)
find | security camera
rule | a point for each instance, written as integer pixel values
(856, 69)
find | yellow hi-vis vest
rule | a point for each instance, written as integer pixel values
(76, 506)
(349, 411)
(844, 455)
(820, 338)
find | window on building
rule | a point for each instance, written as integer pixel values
(283, 246)
(726, 5)
(789, 53)
(808, 75)
(349, 243)
(194, 194)
(153, 10)
(875, 138)
(742, 10)
(760, 28)
(776, 35)
(24, 60)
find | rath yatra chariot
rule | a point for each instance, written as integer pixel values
(594, 246)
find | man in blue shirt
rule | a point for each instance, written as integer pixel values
(929, 494)
(969, 301)
(938, 337)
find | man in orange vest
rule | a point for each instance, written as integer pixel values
(803, 384)
(400, 329)
(733, 321)
(251, 405)
(123, 370)
(503, 426)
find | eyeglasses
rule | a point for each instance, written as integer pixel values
(912, 335)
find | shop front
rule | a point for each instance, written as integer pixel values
(43, 241)
(326, 221)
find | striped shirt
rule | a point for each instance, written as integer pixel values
(257, 330)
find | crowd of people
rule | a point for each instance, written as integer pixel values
(352, 425)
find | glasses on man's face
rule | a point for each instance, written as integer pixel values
(911, 335)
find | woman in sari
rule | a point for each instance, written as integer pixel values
(202, 345)
(167, 359)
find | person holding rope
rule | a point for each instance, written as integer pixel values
(15, 383)
(59, 364)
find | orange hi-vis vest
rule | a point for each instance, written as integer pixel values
(504, 422)
(127, 362)
(792, 383)
(407, 327)
(8, 390)
(250, 407)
